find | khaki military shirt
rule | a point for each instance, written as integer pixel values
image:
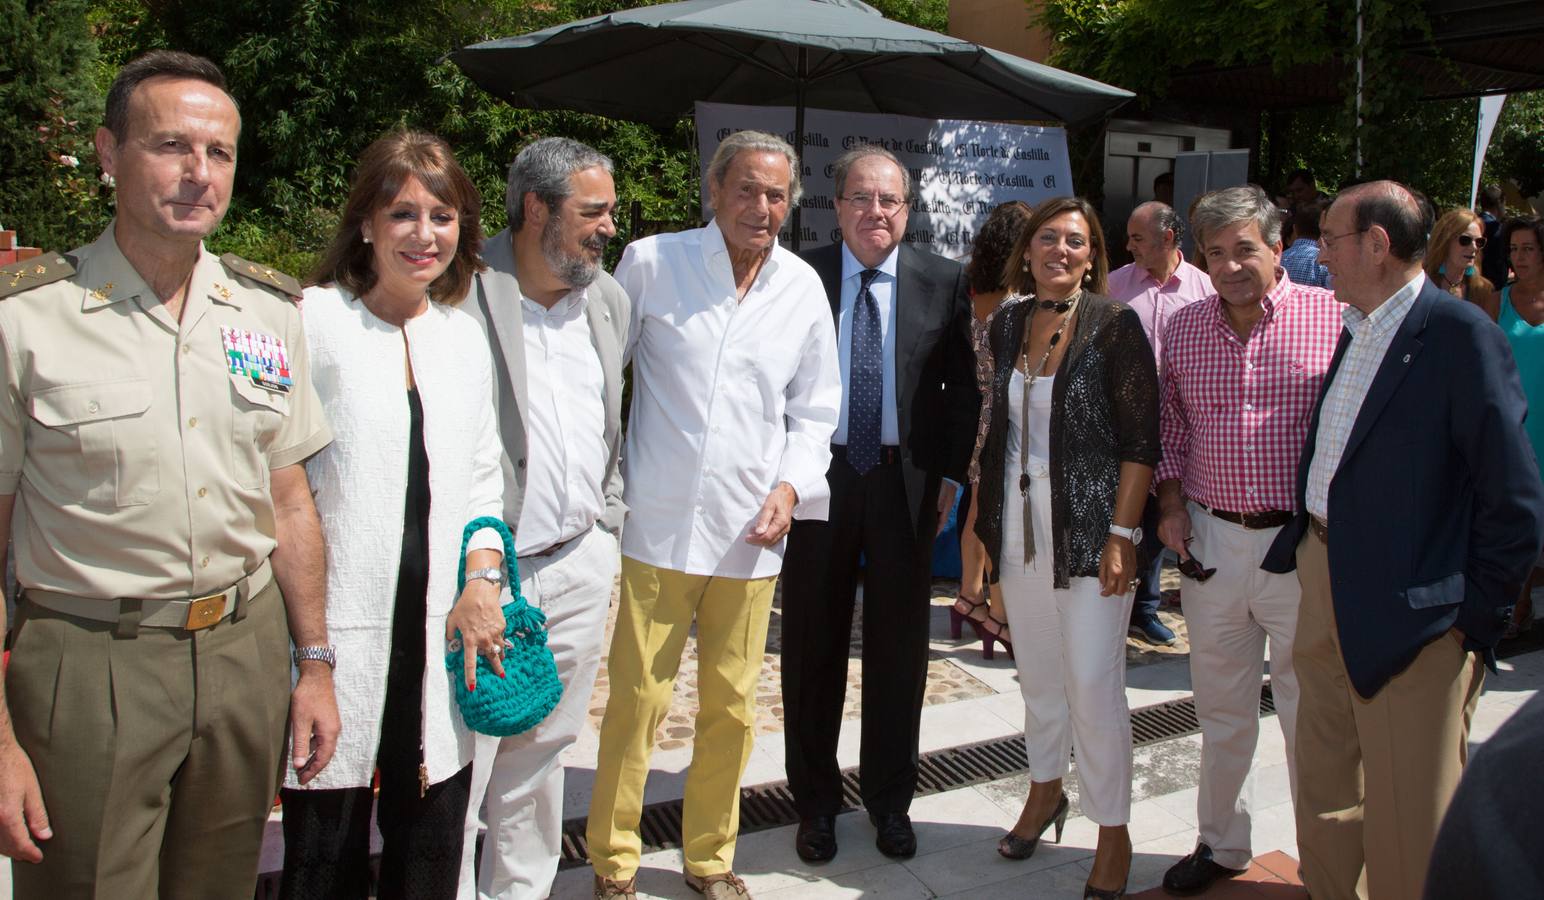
(139, 447)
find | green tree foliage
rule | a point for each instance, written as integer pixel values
(49, 110)
(1139, 44)
(1517, 146)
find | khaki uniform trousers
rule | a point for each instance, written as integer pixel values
(653, 619)
(158, 754)
(1374, 777)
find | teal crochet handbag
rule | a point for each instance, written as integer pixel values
(530, 688)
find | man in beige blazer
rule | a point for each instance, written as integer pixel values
(556, 324)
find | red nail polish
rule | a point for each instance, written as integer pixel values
(473, 689)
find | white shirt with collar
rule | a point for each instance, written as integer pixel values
(883, 288)
(1371, 335)
(730, 397)
(565, 425)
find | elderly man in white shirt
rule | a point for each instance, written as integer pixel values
(735, 397)
(557, 325)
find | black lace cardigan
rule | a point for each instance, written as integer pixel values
(1104, 411)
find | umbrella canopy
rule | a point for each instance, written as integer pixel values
(653, 63)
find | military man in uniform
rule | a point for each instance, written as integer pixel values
(155, 409)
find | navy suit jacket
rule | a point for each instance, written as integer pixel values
(1436, 513)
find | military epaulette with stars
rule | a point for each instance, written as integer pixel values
(272, 279)
(35, 272)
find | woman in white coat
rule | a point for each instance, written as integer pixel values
(405, 379)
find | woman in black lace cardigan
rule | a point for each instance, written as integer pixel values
(1076, 387)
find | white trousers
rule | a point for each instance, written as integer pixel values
(517, 782)
(1071, 651)
(1231, 616)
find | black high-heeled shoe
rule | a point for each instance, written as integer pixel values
(1014, 847)
(1092, 893)
(962, 611)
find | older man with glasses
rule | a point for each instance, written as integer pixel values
(1240, 373)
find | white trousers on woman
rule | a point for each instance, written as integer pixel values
(1071, 651)
(517, 782)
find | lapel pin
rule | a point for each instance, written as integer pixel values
(102, 293)
(1407, 357)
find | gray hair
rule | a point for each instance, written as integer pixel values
(1163, 218)
(755, 142)
(545, 168)
(846, 161)
(1229, 206)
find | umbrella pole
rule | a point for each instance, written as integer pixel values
(798, 137)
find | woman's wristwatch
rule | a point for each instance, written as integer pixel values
(1134, 535)
(491, 574)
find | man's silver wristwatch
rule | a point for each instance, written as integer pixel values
(492, 574)
(328, 655)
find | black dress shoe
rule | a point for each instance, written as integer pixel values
(815, 840)
(1195, 873)
(896, 839)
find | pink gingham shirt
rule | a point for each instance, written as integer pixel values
(1155, 304)
(1234, 415)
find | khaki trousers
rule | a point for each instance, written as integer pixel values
(158, 754)
(653, 620)
(1374, 777)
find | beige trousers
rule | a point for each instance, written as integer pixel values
(158, 754)
(1374, 777)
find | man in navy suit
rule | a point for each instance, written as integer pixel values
(908, 421)
(1421, 515)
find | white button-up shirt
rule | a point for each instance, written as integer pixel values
(730, 397)
(1371, 336)
(565, 425)
(883, 289)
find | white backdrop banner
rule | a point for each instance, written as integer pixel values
(959, 169)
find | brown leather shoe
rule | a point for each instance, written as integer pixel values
(723, 886)
(611, 889)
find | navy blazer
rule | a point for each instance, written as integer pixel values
(1436, 513)
(936, 396)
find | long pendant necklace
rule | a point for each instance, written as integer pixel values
(1066, 308)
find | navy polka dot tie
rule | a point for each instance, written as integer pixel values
(866, 391)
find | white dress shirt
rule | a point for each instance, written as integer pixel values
(883, 289)
(565, 425)
(1371, 336)
(730, 397)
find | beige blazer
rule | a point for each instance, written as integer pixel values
(494, 302)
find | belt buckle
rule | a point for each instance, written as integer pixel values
(205, 611)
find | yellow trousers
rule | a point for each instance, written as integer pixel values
(655, 615)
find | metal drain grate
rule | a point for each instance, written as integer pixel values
(771, 806)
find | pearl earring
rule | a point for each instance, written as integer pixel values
(1025, 266)
(367, 240)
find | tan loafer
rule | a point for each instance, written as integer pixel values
(611, 889)
(724, 886)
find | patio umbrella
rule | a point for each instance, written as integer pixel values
(652, 64)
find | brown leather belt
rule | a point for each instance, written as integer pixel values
(1271, 518)
(1320, 528)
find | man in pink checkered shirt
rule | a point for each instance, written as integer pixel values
(1240, 373)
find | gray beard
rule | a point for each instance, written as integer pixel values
(574, 271)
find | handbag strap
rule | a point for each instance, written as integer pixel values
(511, 563)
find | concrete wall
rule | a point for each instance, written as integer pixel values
(1002, 25)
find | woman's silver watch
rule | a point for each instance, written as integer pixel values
(1134, 535)
(491, 574)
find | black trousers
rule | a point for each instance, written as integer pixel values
(869, 516)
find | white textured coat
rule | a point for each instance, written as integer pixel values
(360, 483)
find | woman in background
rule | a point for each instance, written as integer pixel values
(1453, 256)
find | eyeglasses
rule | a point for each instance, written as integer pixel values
(1327, 241)
(888, 203)
(1193, 569)
(1465, 240)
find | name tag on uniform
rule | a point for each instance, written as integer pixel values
(260, 357)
